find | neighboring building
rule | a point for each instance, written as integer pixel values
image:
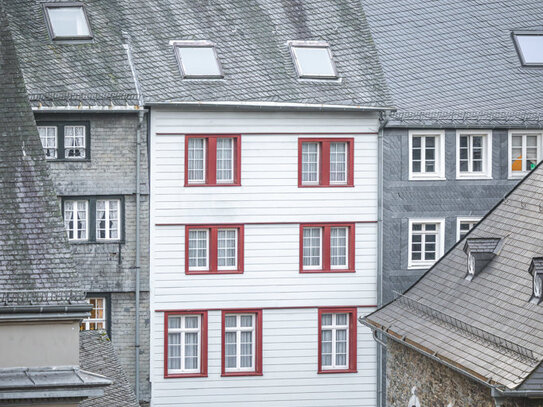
(83, 90)
(41, 300)
(470, 331)
(264, 122)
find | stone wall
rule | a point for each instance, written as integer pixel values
(437, 385)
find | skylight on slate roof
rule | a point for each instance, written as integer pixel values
(67, 21)
(530, 47)
(313, 60)
(198, 59)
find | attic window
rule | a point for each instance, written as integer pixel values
(480, 252)
(536, 270)
(313, 60)
(67, 21)
(529, 46)
(197, 59)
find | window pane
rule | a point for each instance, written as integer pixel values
(230, 321)
(246, 320)
(174, 322)
(341, 319)
(225, 160)
(310, 162)
(338, 162)
(199, 61)
(226, 248)
(198, 243)
(312, 247)
(48, 137)
(338, 246)
(174, 350)
(314, 61)
(196, 160)
(326, 319)
(68, 22)
(531, 48)
(74, 141)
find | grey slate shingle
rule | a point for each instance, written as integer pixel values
(35, 260)
(496, 302)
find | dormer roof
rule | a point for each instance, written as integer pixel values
(482, 245)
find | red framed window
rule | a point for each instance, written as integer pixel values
(325, 162)
(242, 343)
(337, 340)
(327, 248)
(213, 160)
(214, 249)
(185, 344)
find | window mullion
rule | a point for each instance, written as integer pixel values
(60, 141)
(423, 154)
(470, 153)
(183, 350)
(211, 160)
(91, 220)
(238, 342)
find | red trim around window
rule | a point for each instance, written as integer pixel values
(211, 160)
(352, 339)
(325, 260)
(212, 247)
(324, 163)
(203, 344)
(258, 342)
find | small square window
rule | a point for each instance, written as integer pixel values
(67, 21)
(464, 225)
(524, 152)
(426, 155)
(97, 318)
(530, 47)
(473, 154)
(327, 248)
(197, 59)
(426, 242)
(313, 60)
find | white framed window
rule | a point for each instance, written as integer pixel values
(310, 163)
(426, 154)
(184, 343)
(312, 248)
(313, 59)
(198, 249)
(97, 319)
(339, 246)
(524, 152)
(338, 163)
(227, 249)
(225, 160)
(48, 137)
(464, 225)
(197, 160)
(335, 341)
(108, 219)
(239, 342)
(76, 219)
(426, 242)
(74, 142)
(473, 154)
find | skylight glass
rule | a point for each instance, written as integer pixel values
(313, 60)
(198, 60)
(68, 22)
(530, 48)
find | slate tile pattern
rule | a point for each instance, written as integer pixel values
(454, 62)
(484, 245)
(96, 354)
(497, 301)
(36, 266)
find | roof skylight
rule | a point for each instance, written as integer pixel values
(67, 21)
(313, 60)
(198, 59)
(530, 47)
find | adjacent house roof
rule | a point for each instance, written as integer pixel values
(455, 62)
(487, 327)
(96, 354)
(250, 39)
(36, 266)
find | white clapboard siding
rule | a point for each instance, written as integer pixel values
(289, 377)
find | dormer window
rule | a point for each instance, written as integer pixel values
(480, 252)
(529, 46)
(67, 21)
(536, 270)
(198, 60)
(313, 60)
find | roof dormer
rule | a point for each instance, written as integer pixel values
(480, 252)
(536, 270)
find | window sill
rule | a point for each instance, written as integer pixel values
(337, 371)
(183, 375)
(214, 272)
(68, 160)
(426, 178)
(328, 271)
(326, 186)
(238, 374)
(519, 175)
(473, 176)
(84, 242)
(420, 266)
(237, 184)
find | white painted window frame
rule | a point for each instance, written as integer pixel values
(238, 329)
(461, 219)
(334, 328)
(204, 172)
(76, 203)
(521, 174)
(83, 147)
(182, 331)
(346, 265)
(55, 147)
(321, 260)
(208, 238)
(487, 155)
(346, 172)
(440, 244)
(232, 153)
(319, 147)
(107, 228)
(87, 321)
(439, 174)
(236, 245)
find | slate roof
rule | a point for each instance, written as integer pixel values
(35, 260)
(482, 245)
(96, 354)
(251, 41)
(487, 327)
(455, 63)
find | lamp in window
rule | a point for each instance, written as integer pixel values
(536, 270)
(480, 252)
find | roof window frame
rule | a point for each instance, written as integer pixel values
(49, 25)
(312, 44)
(518, 48)
(196, 44)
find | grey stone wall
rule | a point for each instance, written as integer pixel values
(109, 268)
(437, 385)
(449, 199)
